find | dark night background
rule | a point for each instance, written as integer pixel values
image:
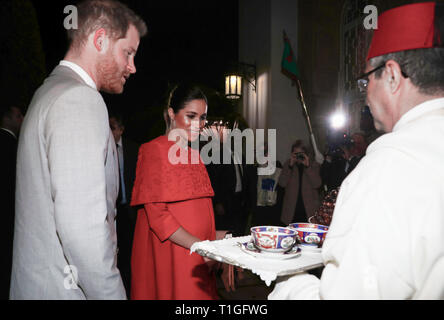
(188, 40)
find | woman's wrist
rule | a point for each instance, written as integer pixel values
(183, 238)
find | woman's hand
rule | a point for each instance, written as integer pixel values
(183, 238)
(306, 161)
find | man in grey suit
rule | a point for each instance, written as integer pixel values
(67, 170)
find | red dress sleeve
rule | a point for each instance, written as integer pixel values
(161, 221)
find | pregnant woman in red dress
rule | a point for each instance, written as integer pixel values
(176, 209)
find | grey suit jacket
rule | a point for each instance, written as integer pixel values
(65, 242)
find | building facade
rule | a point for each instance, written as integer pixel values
(330, 44)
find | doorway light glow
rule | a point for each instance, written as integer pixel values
(338, 120)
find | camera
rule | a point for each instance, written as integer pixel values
(300, 156)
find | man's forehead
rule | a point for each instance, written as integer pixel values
(132, 38)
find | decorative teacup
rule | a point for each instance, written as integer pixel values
(310, 234)
(273, 239)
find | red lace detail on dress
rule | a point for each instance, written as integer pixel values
(158, 180)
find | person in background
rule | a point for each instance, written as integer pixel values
(359, 145)
(386, 239)
(300, 177)
(343, 156)
(11, 119)
(173, 194)
(229, 182)
(67, 169)
(265, 193)
(127, 151)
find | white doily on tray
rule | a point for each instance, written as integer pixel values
(229, 251)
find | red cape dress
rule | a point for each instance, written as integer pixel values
(171, 196)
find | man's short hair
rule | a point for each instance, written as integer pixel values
(424, 67)
(111, 15)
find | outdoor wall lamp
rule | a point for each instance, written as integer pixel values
(233, 81)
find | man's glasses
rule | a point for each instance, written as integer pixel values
(363, 79)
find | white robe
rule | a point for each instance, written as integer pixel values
(386, 240)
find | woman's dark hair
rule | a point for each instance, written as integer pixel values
(184, 93)
(179, 96)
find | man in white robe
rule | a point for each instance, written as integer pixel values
(386, 240)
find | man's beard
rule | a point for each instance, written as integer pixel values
(110, 76)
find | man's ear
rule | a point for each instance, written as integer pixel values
(393, 75)
(100, 40)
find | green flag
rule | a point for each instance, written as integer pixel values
(289, 66)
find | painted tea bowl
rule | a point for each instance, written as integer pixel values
(310, 234)
(273, 239)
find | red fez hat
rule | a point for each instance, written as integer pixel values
(413, 26)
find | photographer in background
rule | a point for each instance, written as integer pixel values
(301, 180)
(340, 160)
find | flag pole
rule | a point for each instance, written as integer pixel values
(289, 68)
(318, 155)
(304, 106)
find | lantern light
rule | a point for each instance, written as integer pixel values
(233, 81)
(233, 86)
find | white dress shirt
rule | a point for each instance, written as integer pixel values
(82, 73)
